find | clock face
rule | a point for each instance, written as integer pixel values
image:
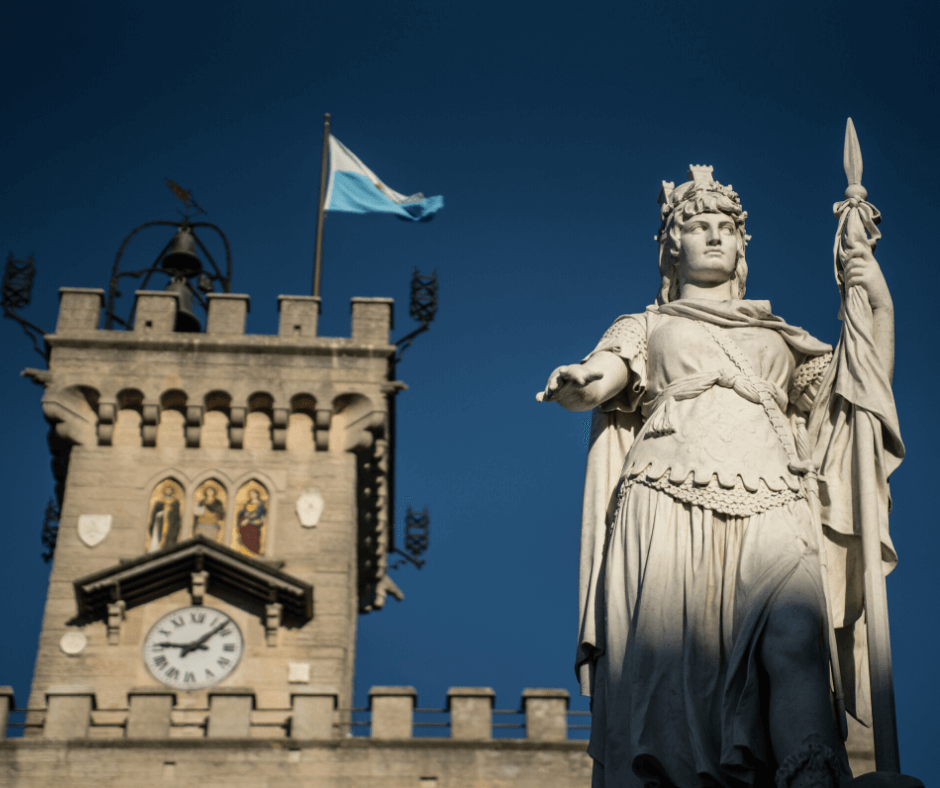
(193, 648)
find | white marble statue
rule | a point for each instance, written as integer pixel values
(705, 599)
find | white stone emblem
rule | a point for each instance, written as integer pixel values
(298, 672)
(73, 643)
(310, 508)
(93, 528)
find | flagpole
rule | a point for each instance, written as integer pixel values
(320, 211)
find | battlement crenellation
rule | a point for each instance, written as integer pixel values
(80, 310)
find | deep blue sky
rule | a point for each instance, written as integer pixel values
(548, 129)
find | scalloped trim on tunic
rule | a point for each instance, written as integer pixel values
(737, 501)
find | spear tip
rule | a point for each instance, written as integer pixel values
(852, 155)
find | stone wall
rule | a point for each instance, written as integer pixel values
(348, 763)
(232, 742)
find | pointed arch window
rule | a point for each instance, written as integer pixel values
(209, 506)
(165, 515)
(252, 514)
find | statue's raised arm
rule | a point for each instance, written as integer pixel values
(858, 445)
(705, 608)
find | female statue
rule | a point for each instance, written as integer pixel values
(704, 617)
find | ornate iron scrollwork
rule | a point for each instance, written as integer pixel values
(16, 291)
(416, 531)
(50, 529)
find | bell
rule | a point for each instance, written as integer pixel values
(181, 257)
(185, 319)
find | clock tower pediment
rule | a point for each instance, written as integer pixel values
(199, 564)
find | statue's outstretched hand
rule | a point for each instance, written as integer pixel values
(566, 381)
(862, 270)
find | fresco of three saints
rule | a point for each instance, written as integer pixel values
(165, 525)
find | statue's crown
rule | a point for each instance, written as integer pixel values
(697, 189)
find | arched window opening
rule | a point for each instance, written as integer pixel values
(258, 422)
(353, 421)
(173, 400)
(92, 396)
(300, 426)
(130, 399)
(130, 404)
(171, 429)
(303, 403)
(218, 402)
(261, 402)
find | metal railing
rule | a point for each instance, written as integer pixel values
(15, 729)
(359, 723)
(355, 722)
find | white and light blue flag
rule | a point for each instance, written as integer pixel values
(354, 188)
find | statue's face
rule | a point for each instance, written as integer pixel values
(708, 249)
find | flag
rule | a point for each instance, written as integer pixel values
(354, 188)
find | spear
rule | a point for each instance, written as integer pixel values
(857, 219)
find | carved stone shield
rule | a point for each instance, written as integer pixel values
(310, 508)
(93, 528)
(73, 643)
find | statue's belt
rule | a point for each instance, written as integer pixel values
(658, 411)
(692, 386)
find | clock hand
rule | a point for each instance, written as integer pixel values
(167, 644)
(197, 644)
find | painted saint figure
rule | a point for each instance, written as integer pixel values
(704, 627)
(209, 513)
(251, 521)
(163, 529)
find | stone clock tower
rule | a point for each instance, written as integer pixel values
(224, 519)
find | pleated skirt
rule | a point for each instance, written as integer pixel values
(679, 690)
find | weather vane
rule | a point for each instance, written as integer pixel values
(186, 197)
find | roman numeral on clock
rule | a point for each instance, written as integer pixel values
(228, 647)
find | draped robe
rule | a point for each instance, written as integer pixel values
(674, 595)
